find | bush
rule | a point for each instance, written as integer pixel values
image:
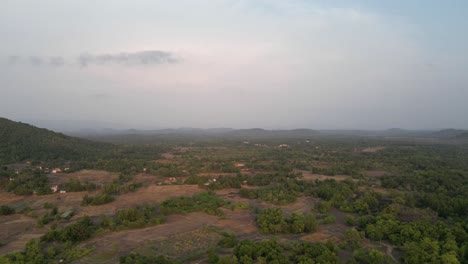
(6, 210)
(207, 202)
(324, 207)
(135, 258)
(329, 219)
(97, 200)
(272, 221)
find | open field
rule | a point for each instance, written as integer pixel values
(17, 229)
(169, 237)
(98, 177)
(309, 176)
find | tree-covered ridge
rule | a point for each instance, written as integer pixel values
(19, 141)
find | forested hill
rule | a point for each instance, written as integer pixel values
(19, 141)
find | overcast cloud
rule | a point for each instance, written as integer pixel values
(236, 63)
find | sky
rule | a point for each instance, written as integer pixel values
(273, 64)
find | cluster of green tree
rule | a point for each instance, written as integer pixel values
(419, 157)
(208, 202)
(332, 190)
(135, 258)
(270, 251)
(168, 170)
(225, 167)
(270, 161)
(98, 199)
(276, 194)
(422, 240)
(346, 196)
(40, 253)
(76, 232)
(443, 190)
(336, 170)
(136, 217)
(229, 240)
(266, 251)
(323, 207)
(236, 181)
(273, 221)
(196, 179)
(6, 210)
(29, 182)
(372, 256)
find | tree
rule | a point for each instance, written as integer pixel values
(297, 223)
(271, 220)
(425, 251)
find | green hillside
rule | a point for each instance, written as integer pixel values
(19, 141)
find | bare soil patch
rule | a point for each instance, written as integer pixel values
(147, 195)
(112, 245)
(9, 198)
(146, 178)
(375, 173)
(372, 149)
(319, 237)
(239, 222)
(302, 204)
(331, 232)
(216, 174)
(16, 230)
(309, 176)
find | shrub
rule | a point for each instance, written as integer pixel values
(97, 200)
(6, 210)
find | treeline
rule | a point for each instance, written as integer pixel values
(207, 202)
(28, 182)
(444, 191)
(265, 251)
(271, 251)
(134, 258)
(276, 194)
(97, 199)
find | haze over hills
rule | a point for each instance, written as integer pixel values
(21, 141)
(95, 129)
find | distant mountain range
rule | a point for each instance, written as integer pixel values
(95, 128)
(18, 140)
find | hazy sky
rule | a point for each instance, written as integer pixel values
(236, 63)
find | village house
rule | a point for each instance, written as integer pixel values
(54, 188)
